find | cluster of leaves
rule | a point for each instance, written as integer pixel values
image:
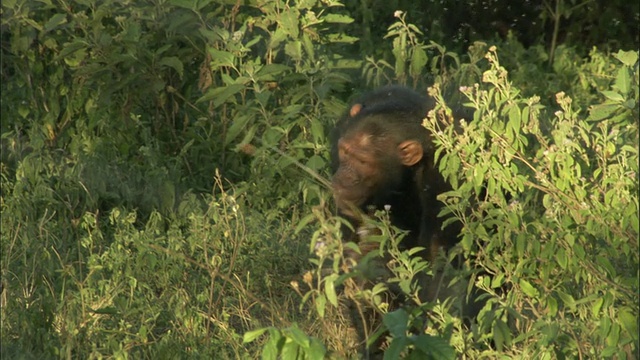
(557, 217)
(117, 238)
(549, 203)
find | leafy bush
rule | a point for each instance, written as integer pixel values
(557, 218)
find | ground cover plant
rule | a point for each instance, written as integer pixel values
(164, 173)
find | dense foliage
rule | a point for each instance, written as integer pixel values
(164, 169)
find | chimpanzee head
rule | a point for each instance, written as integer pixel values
(379, 141)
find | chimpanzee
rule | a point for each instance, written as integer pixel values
(383, 156)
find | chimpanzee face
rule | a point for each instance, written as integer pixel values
(371, 164)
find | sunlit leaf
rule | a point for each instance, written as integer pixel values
(249, 336)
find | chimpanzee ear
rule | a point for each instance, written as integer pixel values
(410, 152)
(355, 110)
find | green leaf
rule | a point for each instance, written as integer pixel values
(552, 306)
(497, 281)
(570, 239)
(272, 347)
(551, 334)
(395, 349)
(69, 48)
(613, 96)
(561, 258)
(289, 21)
(239, 123)
(629, 322)
(55, 20)
(567, 299)
(343, 38)
(337, 19)
(515, 119)
(603, 111)
(220, 95)
(268, 71)
(316, 162)
(629, 58)
(290, 351)
(434, 347)
(321, 304)
(108, 310)
(174, 63)
(298, 336)
(249, 336)
(294, 50)
(396, 322)
(501, 334)
(222, 58)
(330, 289)
(528, 289)
(418, 61)
(623, 81)
(316, 350)
(606, 264)
(597, 306)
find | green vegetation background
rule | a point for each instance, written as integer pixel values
(164, 169)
